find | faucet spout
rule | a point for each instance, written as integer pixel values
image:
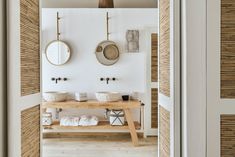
(58, 79)
(107, 80)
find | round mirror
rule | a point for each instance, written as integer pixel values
(58, 52)
(107, 53)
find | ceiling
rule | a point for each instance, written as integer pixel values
(94, 3)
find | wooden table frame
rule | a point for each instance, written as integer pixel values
(126, 106)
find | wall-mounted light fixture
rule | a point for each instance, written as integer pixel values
(106, 4)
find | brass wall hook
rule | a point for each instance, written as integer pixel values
(107, 23)
(58, 26)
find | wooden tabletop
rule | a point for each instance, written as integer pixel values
(93, 104)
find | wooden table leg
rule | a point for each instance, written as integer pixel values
(131, 126)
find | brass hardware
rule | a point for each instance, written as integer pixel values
(60, 42)
(107, 23)
(58, 26)
(58, 46)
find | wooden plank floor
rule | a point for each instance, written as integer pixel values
(99, 147)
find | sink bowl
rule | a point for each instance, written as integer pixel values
(108, 96)
(55, 96)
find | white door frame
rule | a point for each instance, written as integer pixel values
(194, 75)
(148, 130)
(16, 103)
(216, 106)
(173, 103)
(176, 75)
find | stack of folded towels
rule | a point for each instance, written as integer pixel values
(69, 121)
(84, 120)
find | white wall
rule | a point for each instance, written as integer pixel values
(94, 3)
(83, 29)
(3, 54)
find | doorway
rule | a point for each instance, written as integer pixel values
(22, 101)
(86, 76)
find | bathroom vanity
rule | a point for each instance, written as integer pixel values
(103, 126)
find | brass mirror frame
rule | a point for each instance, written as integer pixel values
(100, 53)
(63, 43)
(100, 56)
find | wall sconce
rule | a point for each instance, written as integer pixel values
(106, 4)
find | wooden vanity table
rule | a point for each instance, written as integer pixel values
(126, 106)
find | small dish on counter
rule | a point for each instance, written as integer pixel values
(125, 97)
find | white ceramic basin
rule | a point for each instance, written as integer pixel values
(55, 96)
(108, 96)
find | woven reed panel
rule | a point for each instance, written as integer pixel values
(227, 135)
(29, 47)
(30, 132)
(227, 48)
(154, 58)
(164, 134)
(154, 108)
(164, 47)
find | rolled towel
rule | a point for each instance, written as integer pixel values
(87, 120)
(69, 121)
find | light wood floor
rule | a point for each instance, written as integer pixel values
(99, 147)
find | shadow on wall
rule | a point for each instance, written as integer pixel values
(94, 3)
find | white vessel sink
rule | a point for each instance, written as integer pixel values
(108, 96)
(55, 96)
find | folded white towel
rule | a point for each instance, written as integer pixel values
(86, 120)
(69, 121)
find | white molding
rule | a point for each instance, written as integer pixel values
(89, 131)
(149, 84)
(152, 132)
(176, 79)
(16, 103)
(172, 103)
(40, 23)
(165, 102)
(216, 105)
(154, 85)
(193, 78)
(227, 107)
(30, 101)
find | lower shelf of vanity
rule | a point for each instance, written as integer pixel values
(103, 126)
